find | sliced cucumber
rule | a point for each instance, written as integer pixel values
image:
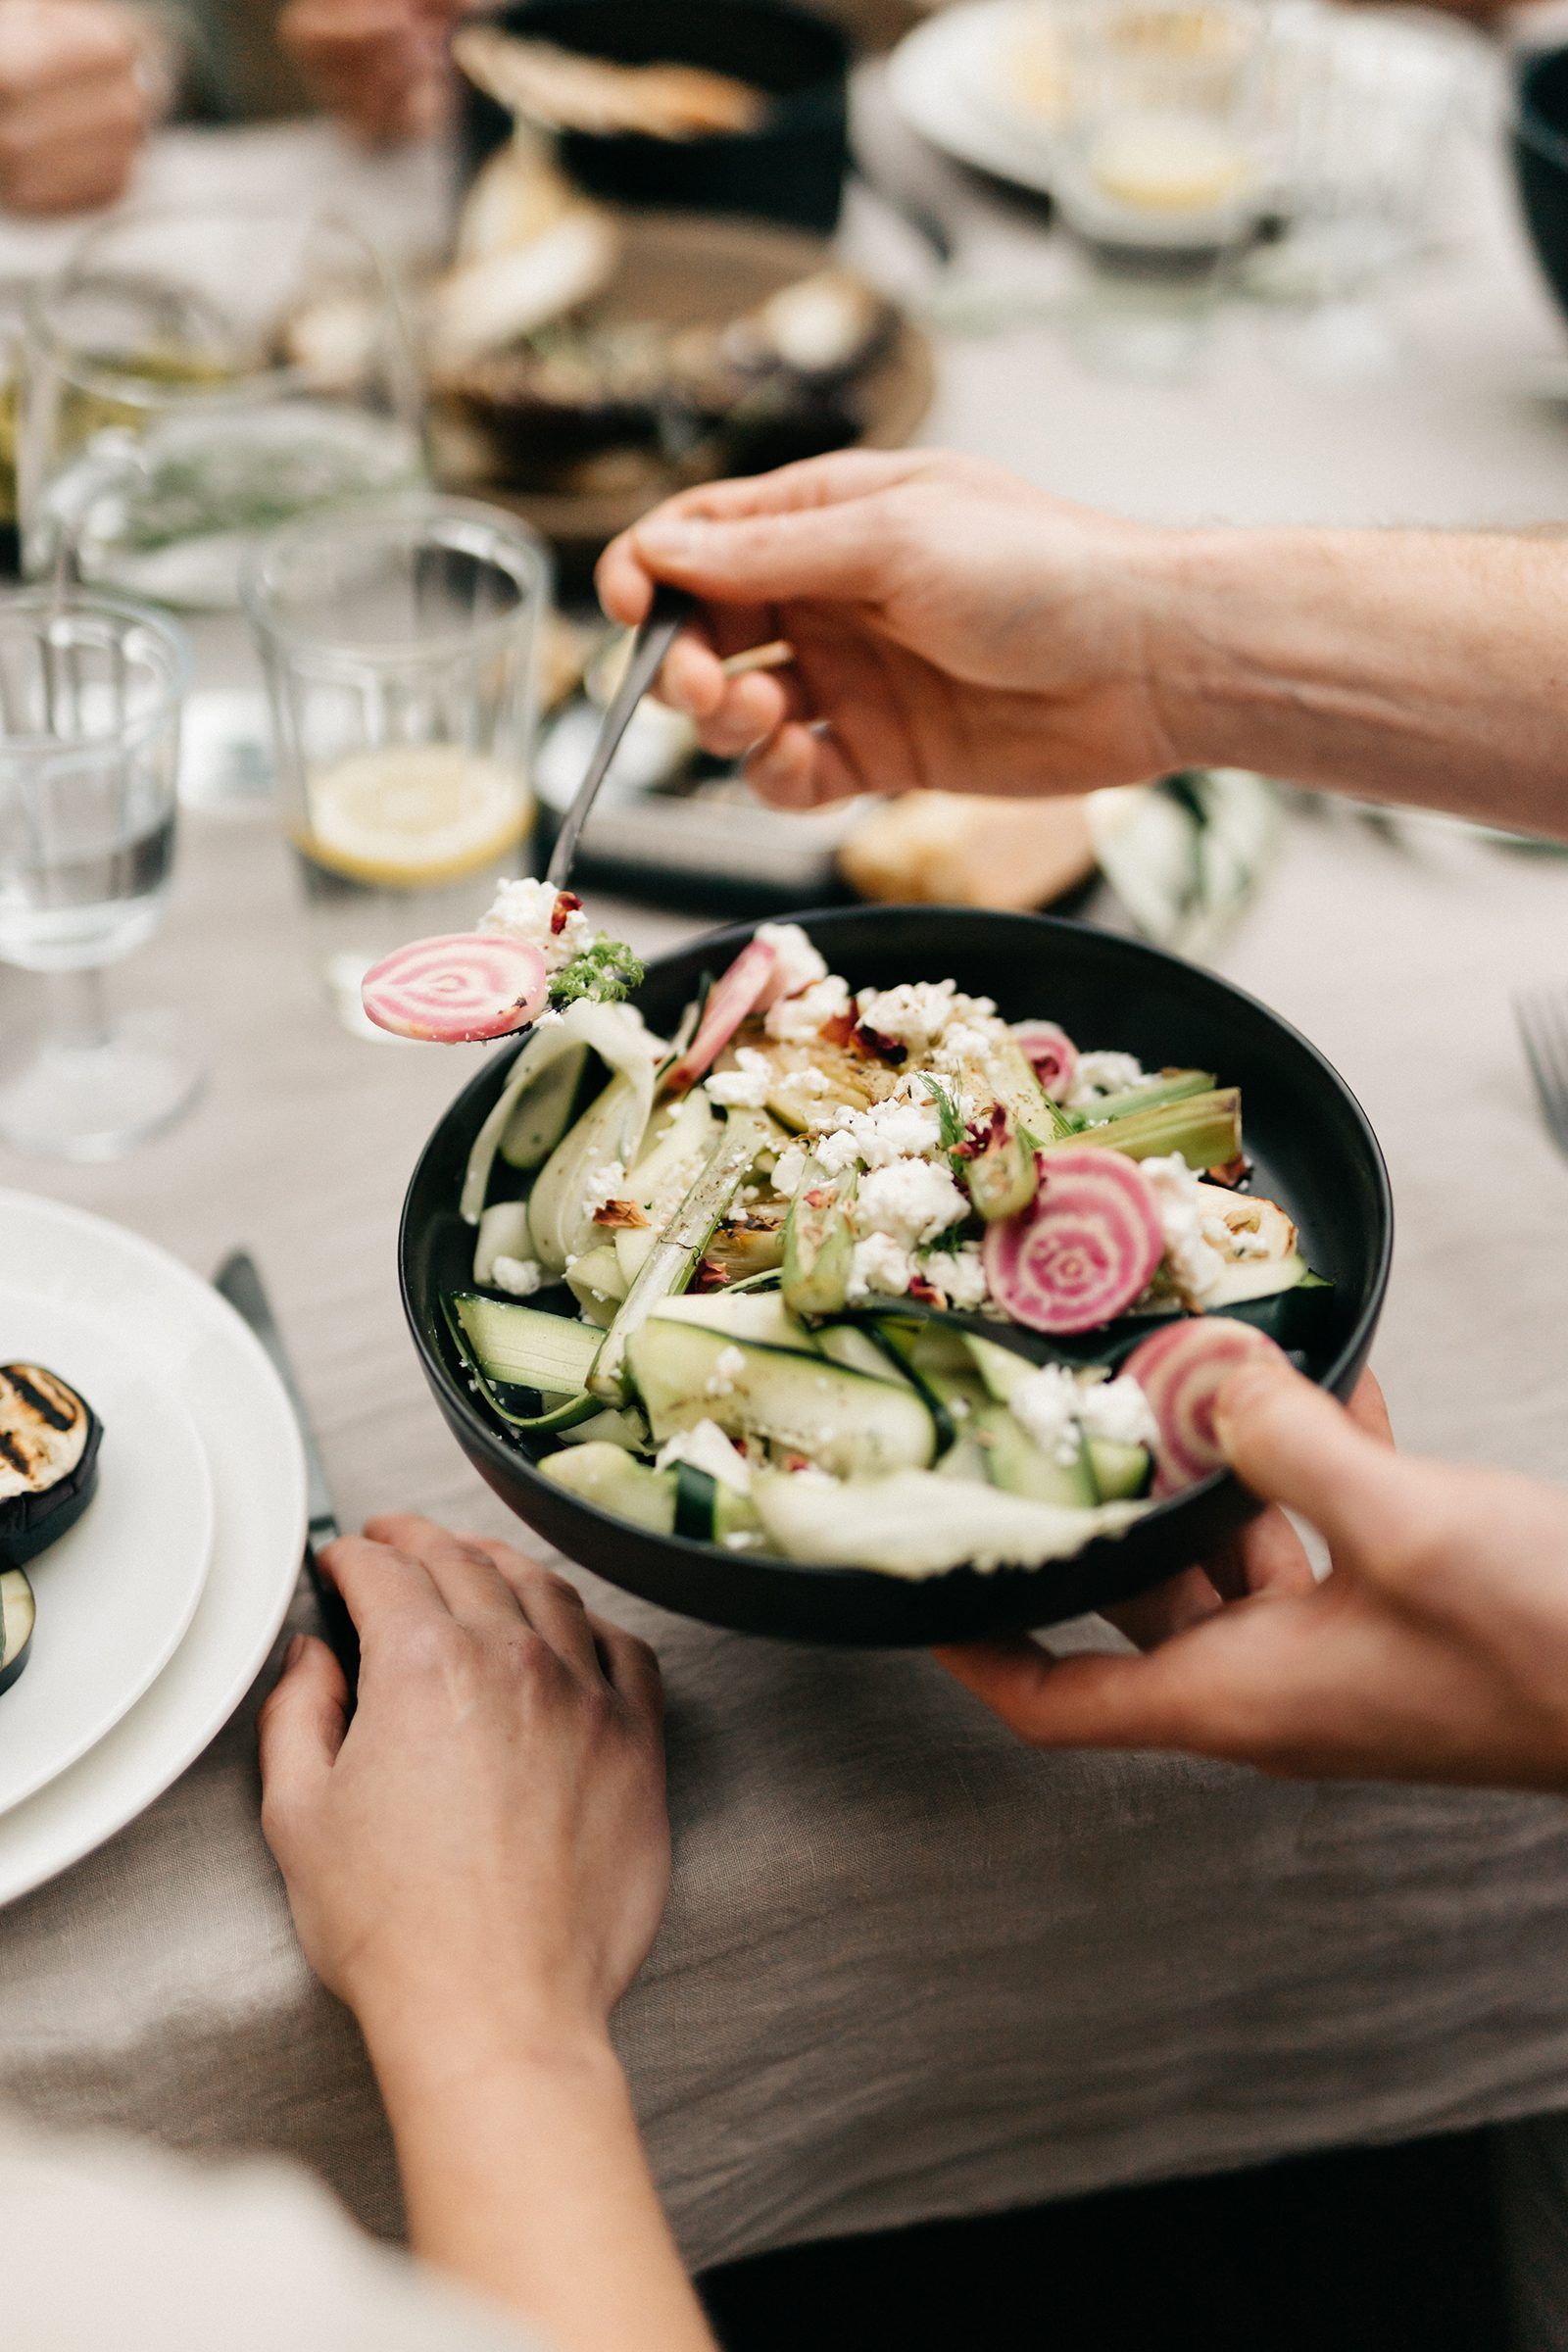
(596, 1277)
(841, 1420)
(744, 1315)
(560, 1218)
(1205, 1129)
(818, 1243)
(625, 1427)
(634, 1245)
(673, 1259)
(1260, 1278)
(611, 1031)
(16, 1617)
(688, 1134)
(1018, 1466)
(606, 1477)
(1001, 1368)
(543, 1111)
(918, 1522)
(503, 1233)
(855, 1346)
(1120, 1473)
(523, 1346)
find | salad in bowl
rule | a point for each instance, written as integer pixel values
(850, 1275)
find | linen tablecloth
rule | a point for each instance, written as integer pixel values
(910, 1969)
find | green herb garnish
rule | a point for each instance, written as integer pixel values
(949, 1119)
(606, 972)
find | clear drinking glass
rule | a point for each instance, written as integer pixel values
(199, 376)
(90, 697)
(1161, 169)
(400, 645)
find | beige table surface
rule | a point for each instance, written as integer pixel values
(908, 1969)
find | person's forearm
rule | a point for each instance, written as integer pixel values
(523, 2176)
(1423, 668)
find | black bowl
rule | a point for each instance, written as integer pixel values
(790, 169)
(1539, 141)
(1308, 1136)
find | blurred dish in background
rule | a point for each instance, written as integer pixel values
(958, 850)
(784, 152)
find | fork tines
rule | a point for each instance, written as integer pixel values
(1543, 1019)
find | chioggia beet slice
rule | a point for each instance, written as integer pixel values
(1085, 1247)
(1181, 1371)
(1051, 1054)
(743, 988)
(458, 988)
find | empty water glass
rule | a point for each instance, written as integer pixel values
(400, 640)
(90, 695)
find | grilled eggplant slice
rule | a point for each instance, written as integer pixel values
(15, 1624)
(49, 1441)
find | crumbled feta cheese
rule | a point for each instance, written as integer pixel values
(1045, 1404)
(958, 1274)
(878, 1265)
(728, 1366)
(705, 1448)
(604, 1184)
(796, 1020)
(1195, 1264)
(789, 1169)
(526, 909)
(916, 1012)
(966, 1048)
(896, 1129)
(912, 1200)
(747, 1086)
(518, 1276)
(799, 963)
(1101, 1074)
(1117, 1411)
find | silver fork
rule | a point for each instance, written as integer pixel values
(1543, 1019)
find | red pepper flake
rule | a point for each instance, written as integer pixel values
(796, 1461)
(821, 1195)
(567, 904)
(839, 1030)
(709, 1276)
(925, 1291)
(622, 1215)
(1234, 1172)
(983, 1135)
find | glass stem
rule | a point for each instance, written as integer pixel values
(83, 1001)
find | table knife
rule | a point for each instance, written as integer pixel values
(240, 1283)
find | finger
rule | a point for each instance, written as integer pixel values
(797, 768)
(303, 1724)
(380, 1587)
(630, 1668)
(752, 710)
(1293, 1444)
(1150, 1618)
(1368, 1408)
(1183, 1695)
(48, 50)
(461, 1572)
(834, 550)
(552, 1604)
(837, 478)
(1268, 1557)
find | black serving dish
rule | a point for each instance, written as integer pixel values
(1308, 1137)
(1539, 141)
(791, 169)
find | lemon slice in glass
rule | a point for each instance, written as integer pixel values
(411, 814)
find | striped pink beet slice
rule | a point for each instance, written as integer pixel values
(457, 988)
(1181, 1371)
(1051, 1054)
(743, 988)
(1085, 1247)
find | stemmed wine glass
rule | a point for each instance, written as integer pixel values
(90, 694)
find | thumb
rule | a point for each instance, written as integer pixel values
(303, 1724)
(832, 551)
(1293, 1444)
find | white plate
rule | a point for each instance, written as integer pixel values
(116, 1593)
(945, 81)
(195, 1341)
